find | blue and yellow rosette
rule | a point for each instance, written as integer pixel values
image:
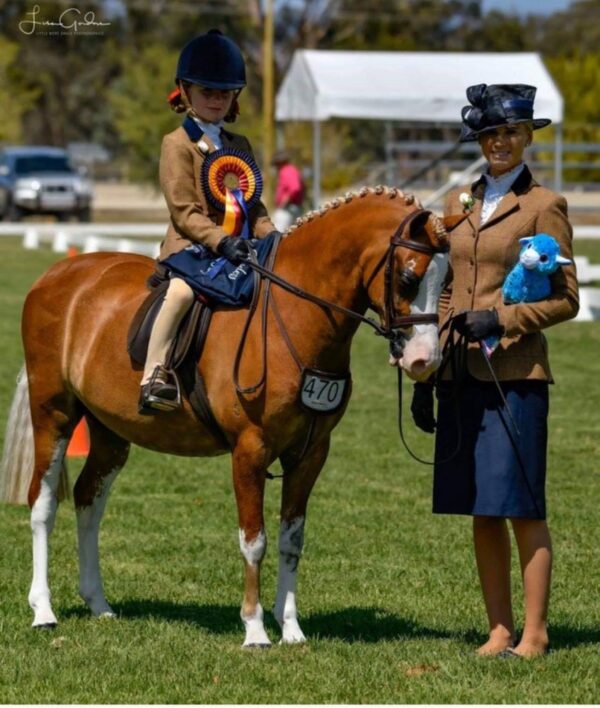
(232, 183)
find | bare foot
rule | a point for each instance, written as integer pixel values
(495, 645)
(529, 649)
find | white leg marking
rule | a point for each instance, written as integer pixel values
(88, 526)
(291, 540)
(43, 514)
(253, 553)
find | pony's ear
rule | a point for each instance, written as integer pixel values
(451, 222)
(418, 222)
(525, 241)
(561, 260)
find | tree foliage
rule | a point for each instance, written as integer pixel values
(110, 87)
(16, 96)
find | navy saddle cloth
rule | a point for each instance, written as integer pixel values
(232, 285)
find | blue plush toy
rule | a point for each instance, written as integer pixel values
(529, 280)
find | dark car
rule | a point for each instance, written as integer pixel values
(41, 180)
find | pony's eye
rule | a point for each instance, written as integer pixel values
(543, 258)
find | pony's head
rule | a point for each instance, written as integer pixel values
(405, 283)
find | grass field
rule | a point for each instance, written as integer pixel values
(388, 593)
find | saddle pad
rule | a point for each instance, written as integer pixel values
(234, 283)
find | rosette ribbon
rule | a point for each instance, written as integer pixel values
(235, 223)
(232, 183)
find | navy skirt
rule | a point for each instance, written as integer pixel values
(496, 471)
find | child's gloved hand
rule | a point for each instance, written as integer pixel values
(234, 248)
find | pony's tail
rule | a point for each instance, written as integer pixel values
(16, 468)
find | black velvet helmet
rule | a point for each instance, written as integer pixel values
(497, 105)
(212, 60)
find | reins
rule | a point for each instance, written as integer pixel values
(390, 323)
(391, 329)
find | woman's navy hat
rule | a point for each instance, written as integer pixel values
(497, 105)
(212, 60)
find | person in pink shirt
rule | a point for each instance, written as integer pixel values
(289, 193)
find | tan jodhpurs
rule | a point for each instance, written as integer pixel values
(178, 300)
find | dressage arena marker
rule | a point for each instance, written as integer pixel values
(79, 445)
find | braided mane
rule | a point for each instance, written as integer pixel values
(380, 190)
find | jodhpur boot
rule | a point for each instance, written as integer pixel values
(161, 393)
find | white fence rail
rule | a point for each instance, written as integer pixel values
(145, 239)
(126, 238)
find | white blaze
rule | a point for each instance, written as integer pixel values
(422, 352)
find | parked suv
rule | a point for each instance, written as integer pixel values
(40, 180)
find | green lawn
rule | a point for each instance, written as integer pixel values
(388, 593)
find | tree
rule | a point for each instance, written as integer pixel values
(140, 110)
(16, 97)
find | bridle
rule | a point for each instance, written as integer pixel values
(408, 280)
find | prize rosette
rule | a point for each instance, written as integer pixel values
(229, 170)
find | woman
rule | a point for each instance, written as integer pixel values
(211, 73)
(499, 472)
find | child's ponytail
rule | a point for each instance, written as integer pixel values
(176, 102)
(234, 111)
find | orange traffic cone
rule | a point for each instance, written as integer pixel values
(79, 444)
(72, 251)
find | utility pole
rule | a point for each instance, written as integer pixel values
(267, 99)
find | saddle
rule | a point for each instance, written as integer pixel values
(185, 351)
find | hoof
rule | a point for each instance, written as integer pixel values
(106, 616)
(256, 646)
(293, 640)
(46, 626)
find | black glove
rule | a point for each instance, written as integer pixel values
(478, 324)
(234, 248)
(422, 407)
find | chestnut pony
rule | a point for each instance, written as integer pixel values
(75, 323)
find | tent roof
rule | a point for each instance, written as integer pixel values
(405, 86)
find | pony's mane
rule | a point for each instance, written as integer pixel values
(380, 190)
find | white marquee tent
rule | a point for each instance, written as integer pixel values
(413, 87)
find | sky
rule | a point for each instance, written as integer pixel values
(527, 7)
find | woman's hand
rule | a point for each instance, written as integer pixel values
(478, 324)
(422, 407)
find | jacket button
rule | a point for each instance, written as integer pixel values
(471, 262)
(469, 289)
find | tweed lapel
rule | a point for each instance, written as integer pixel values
(508, 204)
(202, 141)
(510, 201)
(227, 138)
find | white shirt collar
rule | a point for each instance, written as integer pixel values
(495, 190)
(505, 181)
(213, 130)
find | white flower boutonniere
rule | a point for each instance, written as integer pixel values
(466, 200)
(202, 146)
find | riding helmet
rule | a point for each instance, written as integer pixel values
(212, 60)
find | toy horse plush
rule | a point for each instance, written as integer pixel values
(529, 280)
